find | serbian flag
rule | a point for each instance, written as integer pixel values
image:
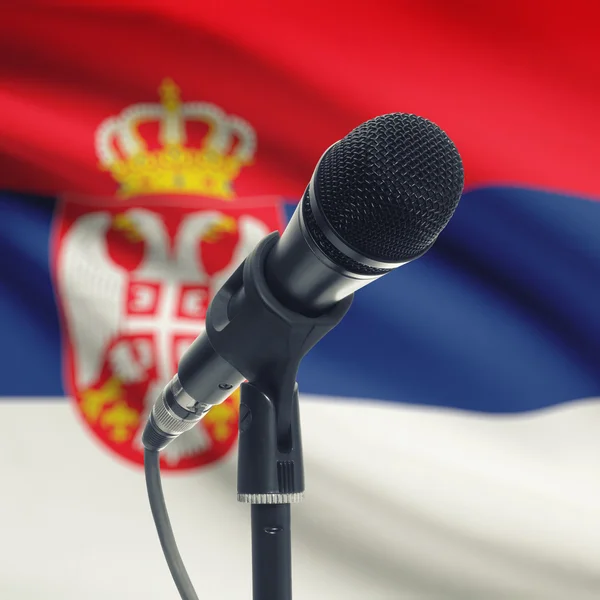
(449, 423)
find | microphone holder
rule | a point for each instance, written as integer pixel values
(265, 342)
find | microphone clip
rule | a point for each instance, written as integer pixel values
(265, 341)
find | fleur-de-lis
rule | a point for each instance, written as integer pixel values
(120, 422)
(107, 407)
(222, 419)
(93, 402)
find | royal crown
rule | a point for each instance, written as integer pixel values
(208, 170)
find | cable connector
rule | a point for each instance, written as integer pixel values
(174, 413)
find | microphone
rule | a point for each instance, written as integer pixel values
(378, 199)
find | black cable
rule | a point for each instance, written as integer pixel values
(163, 526)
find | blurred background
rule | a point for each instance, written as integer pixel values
(449, 423)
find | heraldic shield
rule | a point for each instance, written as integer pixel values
(133, 284)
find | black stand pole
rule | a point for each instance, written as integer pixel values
(265, 341)
(270, 478)
(271, 552)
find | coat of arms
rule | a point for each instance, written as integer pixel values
(134, 274)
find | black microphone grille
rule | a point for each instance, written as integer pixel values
(390, 186)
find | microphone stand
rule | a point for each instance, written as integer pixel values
(265, 342)
(270, 479)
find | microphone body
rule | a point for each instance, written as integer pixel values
(378, 199)
(302, 276)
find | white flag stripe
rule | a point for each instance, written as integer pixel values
(402, 502)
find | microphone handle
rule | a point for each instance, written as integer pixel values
(302, 277)
(205, 375)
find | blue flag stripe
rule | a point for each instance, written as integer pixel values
(501, 316)
(30, 359)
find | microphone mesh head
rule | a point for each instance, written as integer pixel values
(390, 186)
